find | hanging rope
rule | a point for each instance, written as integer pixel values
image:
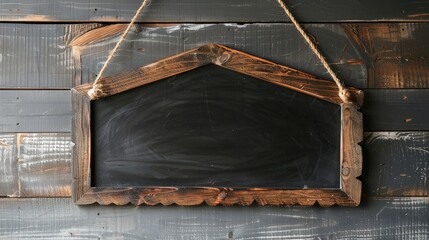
(96, 90)
(342, 91)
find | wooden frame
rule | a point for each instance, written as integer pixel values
(351, 127)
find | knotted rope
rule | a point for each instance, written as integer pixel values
(96, 90)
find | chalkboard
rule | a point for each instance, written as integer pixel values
(213, 127)
(219, 126)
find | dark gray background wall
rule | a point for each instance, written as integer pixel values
(47, 47)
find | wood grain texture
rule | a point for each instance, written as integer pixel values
(35, 111)
(44, 164)
(396, 110)
(396, 53)
(8, 165)
(35, 56)
(385, 219)
(81, 150)
(227, 58)
(396, 164)
(208, 11)
(280, 43)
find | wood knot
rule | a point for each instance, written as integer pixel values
(345, 171)
(222, 59)
(222, 195)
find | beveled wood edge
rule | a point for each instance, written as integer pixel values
(214, 196)
(227, 58)
(351, 155)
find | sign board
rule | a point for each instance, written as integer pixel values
(219, 126)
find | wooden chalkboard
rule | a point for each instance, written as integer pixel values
(217, 132)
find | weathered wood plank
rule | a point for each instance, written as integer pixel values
(396, 53)
(8, 165)
(396, 164)
(50, 111)
(209, 11)
(44, 164)
(56, 218)
(396, 110)
(280, 43)
(34, 56)
(35, 111)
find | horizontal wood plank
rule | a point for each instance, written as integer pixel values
(50, 111)
(59, 218)
(279, 43)
(395, 164)
(396, 109)
(209, 11)
(35, 111)
(42, 56)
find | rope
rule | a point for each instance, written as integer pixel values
(343, 92)
(96, 90)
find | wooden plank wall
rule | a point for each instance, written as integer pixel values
(47, 47)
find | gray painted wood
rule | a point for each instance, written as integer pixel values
(50, 111)
(35, 111)
(280, 43)
(34, 56)
(44, 164)
(396, 109)
(396, 164)
(209, 11)
(8, 165)
(58, 218)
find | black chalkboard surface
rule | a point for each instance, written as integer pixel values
(213, 127)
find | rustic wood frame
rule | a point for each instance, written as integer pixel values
(350, 155)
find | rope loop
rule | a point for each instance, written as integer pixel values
(95, 91)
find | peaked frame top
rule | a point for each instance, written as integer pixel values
(227, 58)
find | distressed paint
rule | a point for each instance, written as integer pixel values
(396, 53)
(396, 164)
(35, 111)
(44, 164)
(209, 11)
(55, 218)
(394, 59)
(8, 165)
(280, 43)
(396, 109)
(34, 56)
